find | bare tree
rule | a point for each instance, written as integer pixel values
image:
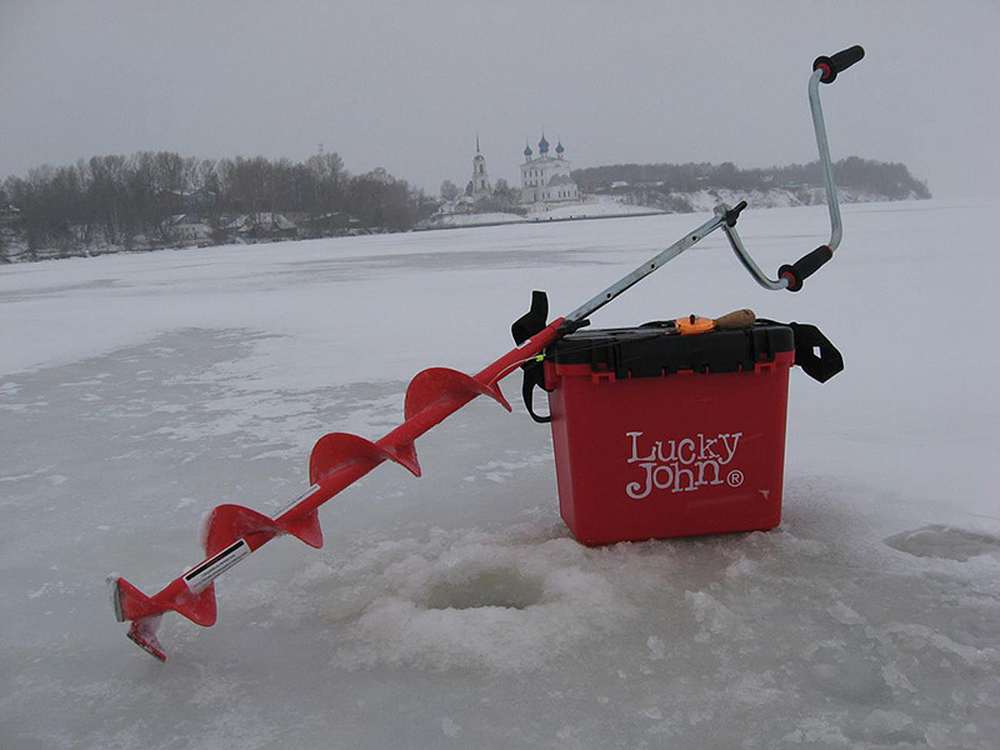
(449, 190)
(133, 202)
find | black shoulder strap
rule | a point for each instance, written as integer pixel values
(524, 328)
(534, 376)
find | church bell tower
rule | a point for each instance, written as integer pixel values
(480, 179)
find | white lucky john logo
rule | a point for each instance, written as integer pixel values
(682, 465)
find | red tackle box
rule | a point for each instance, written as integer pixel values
(659, 435)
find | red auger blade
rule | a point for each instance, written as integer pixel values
(332, 453)
(198, 607)
(146, 612)
(441, 383)
(143, 634)
(232, 532)
(129, 602)
(306, 528)
(227, 523)
(340, 449)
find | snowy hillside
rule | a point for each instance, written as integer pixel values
(705, 200)
(595, 208)
(139, 391)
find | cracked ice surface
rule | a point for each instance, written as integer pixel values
(139, 391)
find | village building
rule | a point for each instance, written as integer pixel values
(545, 178)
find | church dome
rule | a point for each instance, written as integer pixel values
(527, 150)
(559, 148)
(543, 145)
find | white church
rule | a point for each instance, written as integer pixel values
(545, 178)
(547, 193)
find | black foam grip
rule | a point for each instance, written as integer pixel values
(841, 61)
(805, 267)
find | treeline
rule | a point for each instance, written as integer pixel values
(150, 200)
(892, 181)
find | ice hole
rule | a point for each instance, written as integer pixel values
(504, 587)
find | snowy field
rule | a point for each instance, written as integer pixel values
(139, 391)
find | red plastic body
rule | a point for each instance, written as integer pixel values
(676, 455)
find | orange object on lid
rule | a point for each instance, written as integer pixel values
(693, 324)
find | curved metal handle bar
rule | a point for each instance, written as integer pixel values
(823, 145)
(826, 165)
(748, 263)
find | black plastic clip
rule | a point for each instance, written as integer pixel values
(533, 321)
(815, 353)
(734, 213)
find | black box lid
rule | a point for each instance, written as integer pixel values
(653, 350)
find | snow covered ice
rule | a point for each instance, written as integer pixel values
(139, 391)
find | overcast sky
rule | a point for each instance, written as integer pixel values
(408, 85)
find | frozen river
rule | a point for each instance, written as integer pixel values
(139, 391)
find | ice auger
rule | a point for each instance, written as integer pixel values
(232, 532)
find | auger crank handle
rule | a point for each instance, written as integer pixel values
(825, 70)
(831, 66)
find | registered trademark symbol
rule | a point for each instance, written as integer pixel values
(735, 478)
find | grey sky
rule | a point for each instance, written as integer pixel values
(407, 85)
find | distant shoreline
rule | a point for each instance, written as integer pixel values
(548, 220)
